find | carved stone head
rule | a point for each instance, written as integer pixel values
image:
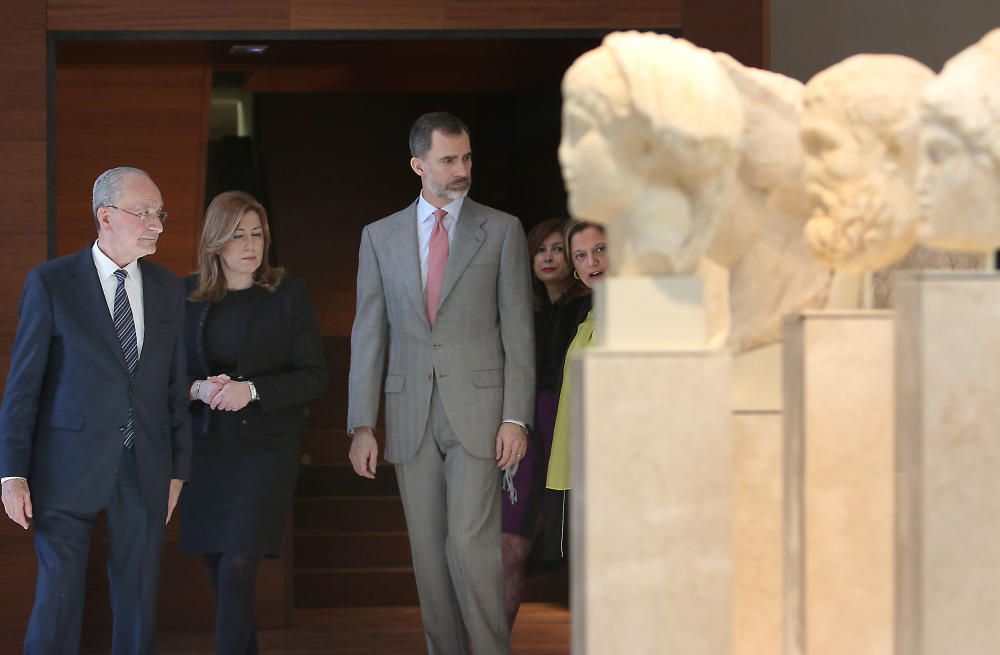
(958, 173)
(858, 133)
(651, 135)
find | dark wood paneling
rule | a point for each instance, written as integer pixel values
(22, 246)
(482, 14)
(355, 15)
(733, 26)
(173, 15)
(153, 114)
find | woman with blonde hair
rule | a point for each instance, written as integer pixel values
(255, 358)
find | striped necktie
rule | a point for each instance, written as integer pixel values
(125, 328)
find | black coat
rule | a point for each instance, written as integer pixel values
(244, 470)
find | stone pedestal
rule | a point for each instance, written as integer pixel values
(839, 483)
(758, 540)
(651, 524)
(645, 313)
(948, 427)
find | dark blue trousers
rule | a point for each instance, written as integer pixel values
(62, 541)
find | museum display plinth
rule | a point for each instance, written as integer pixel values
(652, 477)
(757, 509)
(948, 427)
(839, 483)
(757, 531)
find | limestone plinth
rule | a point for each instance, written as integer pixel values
(650, 313)
(948, 417)
(758, 543)
(839, 483)
(651, 523)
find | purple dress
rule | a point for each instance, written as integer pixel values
(555, 325)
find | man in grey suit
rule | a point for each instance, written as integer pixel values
(444, 286)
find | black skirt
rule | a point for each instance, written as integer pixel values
(239, 495)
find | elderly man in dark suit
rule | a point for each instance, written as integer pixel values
(94, 418)
(444, 289)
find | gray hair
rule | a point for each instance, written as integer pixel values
(108, 185)
(423, 130)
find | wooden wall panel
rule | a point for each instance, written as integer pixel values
(22, 246)
(173, 15)
(733, 26)
(359, 15)
(153, 116)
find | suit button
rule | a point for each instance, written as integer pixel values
(435, 345)
(430, 376)
(121, 428)
(243, 422)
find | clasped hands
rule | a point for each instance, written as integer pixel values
(222, 393)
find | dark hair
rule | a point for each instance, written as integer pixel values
(221, 220)
(536, 236)
(423, 130)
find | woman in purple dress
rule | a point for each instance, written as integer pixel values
(560, 303)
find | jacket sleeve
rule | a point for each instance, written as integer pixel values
(180, 417)
(28, 362)
(369, 337)
(305, 377)
(517, 326)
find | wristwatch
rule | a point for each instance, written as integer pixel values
(253, 391)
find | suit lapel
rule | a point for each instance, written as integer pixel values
(407, 259)
(469, 237)
(90, 293)
(152, 308)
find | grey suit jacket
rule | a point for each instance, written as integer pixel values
(482, 346)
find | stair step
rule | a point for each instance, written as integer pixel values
(355, 587)
(384, 586)
(350, 514)
(341, 480)
(317, 549)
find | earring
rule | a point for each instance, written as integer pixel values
(576, 274)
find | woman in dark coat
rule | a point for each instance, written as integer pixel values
(254, 358)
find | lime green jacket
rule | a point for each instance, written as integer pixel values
(559, 463)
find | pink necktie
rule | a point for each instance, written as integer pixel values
(437, 258)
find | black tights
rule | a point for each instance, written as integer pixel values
(234, 578)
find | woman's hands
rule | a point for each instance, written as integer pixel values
(221, 392)
(232, 397)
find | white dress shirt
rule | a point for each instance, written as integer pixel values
(133, 288)
(425, 225)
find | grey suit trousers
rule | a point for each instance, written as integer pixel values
(453, 520)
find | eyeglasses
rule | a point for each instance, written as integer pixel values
(145, 216)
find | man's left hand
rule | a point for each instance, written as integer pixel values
(512, 443)
(173, 496)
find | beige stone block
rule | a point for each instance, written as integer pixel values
(839, 472)
(757, 379)
(757, 532)
(651, 522)
(948, 427)
(650, 313)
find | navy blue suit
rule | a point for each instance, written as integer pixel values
(64, 411)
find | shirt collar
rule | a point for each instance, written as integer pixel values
(425, 210)
(106, 267)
